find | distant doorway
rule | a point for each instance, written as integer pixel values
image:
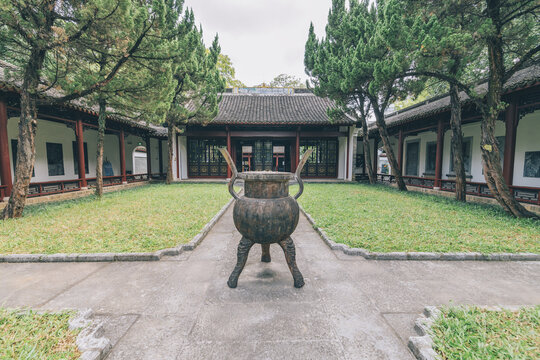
(139, 160)
(263, 155)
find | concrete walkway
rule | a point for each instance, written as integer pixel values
(181, 307)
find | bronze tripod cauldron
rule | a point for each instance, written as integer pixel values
(265, 215)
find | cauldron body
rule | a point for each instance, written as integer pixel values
(266, 213)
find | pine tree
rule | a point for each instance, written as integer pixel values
(197, 82)
(142, 87)
(444, 45)
(356, 65)
(509, 33)
(34, 35)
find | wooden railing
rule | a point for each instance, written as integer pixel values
(158, 176)
(521, 193)
(526, 194)
(53, 187)
(3, 189)
(107, 181)
(131, 178)
(419, 181)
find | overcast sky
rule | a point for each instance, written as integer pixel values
(263, 38)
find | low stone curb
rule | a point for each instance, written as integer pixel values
(422, 345)
(108, 257)
(90, 341)
(456, 256)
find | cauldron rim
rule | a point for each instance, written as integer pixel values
(266, 175)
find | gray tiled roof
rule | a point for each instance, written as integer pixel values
(525, 77)
(11, 84)
(297, 109)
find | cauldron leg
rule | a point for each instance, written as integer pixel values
(265, 257)
(290, 255)
(243, 250)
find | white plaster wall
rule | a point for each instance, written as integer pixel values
(469, 130)
(182, 147)
(154, 153)
(527, 139)
(131, 142)
(52, 132)
(382, 159)
(342, 156)
(111, 151)
(423, 139)
(360, 151)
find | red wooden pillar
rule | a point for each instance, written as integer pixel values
(5, 169)
(148, 158)
(80, 149)
(160, 157)
(297, 151)
(400, 151)
(122, 156)
(511, 119)
(375, 156)
(229, 149)
(439, 154)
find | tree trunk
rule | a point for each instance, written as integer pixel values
(396, 171)
(102, 118)
(170, 143)
(26, 149)
(367, 152)
(490, 150)
(457, 143)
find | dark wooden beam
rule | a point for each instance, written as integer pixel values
(348, 159)
(177, 159)
(122, 147)
(148, 157)
(160, 145)
(79, 134)
(323, 134)
(375, 155)
(297, 151)
(439, 153)
(262, 134)
(401, 138)
(511, 120)
(202, 133)
(229, 149)
(5, 168)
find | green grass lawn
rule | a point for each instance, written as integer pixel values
(382, 219)
(30, 335)
(473, 333)
(143, 219)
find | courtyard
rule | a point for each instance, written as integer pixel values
(181, 307)
(309, 179)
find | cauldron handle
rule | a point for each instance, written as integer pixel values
(305, 158)
(230, 161)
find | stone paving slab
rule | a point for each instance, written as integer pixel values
(181, 307)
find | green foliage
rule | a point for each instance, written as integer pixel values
(380, 218)
(474, 333)
(144, 219)
(197, 81)
(27, 334)
(287, 81)
(227, 71)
